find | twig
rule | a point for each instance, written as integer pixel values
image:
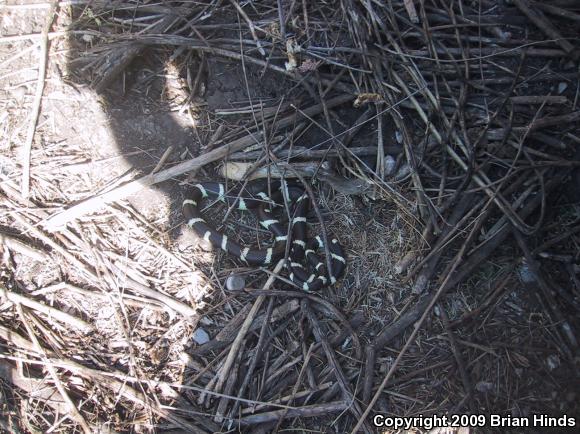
(306, 411)
(73, 411)
(250, 25)
(538, 18)
(225, 370)
(35, 111)
(51, 312)
(467, 383)
(338, 373)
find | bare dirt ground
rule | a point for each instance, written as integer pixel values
(120, 319)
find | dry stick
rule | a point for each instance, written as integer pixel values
(498, 289)
(315, 154)
(349, 397)
(73, 411)
(128, 299)
(306, 368)
(35, 112)
(230, 383)
(557, 11)
(257, 355)
(538, 18)
(236, 345)
(288, 398)
(356, 321)
(25, 249)
(282, 21)
(370, 357)
(480, 178)
(306, 411)
(553, 310)
(250, 25)
(228, 333)
(328, 306)
(31, 386)
(467, 384)
(51, 312)
(163, 159)
(94, 203)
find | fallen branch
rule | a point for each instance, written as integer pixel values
(35, 111)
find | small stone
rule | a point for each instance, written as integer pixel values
(398, 136)
(390, 165)
(200, 336)
(484, 387)
(235, 282)
(553, 362)
(562, 86)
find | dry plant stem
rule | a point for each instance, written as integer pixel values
(250, 25)
(557, 11)
(317, 351)
(314, 154)
(105, 379)
(348, 396)
(94, 203)
(15, 244)
(35, 111)
(11, 375)
(236, 345)
(428, 265)
(128, 299)
(163, 159)
(478, 177)
(546, 26)
(230, 330)
(287, 398)
(553, 310)
(369, 371)
(328, 309)
(467, 383)
(500, 286)
(72, 409)
(306, 411)
(255, 357)
(230, 383)
(305, 368)
(51, 312)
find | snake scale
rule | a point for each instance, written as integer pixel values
(306, 269)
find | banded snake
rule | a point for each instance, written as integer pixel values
(306, 270)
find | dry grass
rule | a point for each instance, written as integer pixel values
(450, 303)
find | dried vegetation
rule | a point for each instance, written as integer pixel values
(441, 138)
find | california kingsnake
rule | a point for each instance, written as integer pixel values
(305, 267)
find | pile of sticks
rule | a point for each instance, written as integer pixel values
(482, 104)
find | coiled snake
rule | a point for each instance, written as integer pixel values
(306, 269)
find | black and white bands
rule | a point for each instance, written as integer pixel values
(306, 269)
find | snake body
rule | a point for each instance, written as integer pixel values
(305, 267)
